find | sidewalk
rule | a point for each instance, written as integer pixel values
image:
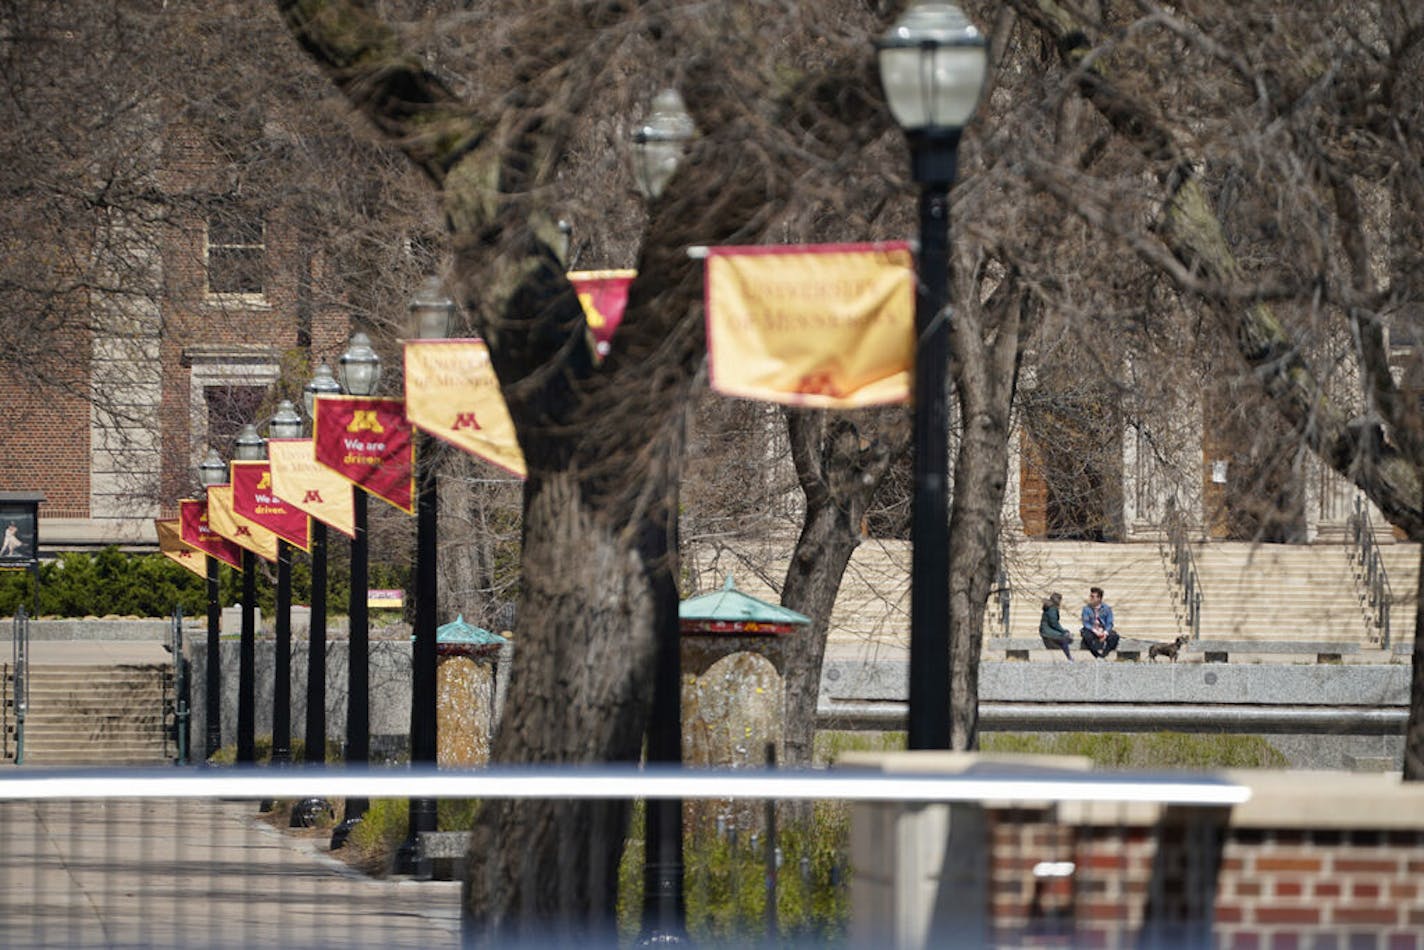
(196, 874)
(90, 652)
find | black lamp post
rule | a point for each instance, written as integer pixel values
(248, 447)
(285, 424)
(360, 374)
(212, 470)
(932, 70)
(322, 384)
(432, 313)
(658, 145)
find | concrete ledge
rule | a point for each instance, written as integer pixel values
(1088, 681)
(1336, 800)
(443, 852)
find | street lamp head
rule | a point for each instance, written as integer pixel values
(659, 142)
(212, 470)
(432, 313)
(286, 422)
(249, 446)
(360, 366)
(932, 63)
(323, 383)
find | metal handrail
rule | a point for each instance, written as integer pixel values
(1370, 571)
(1187, 583)
(21, 679)
(181, 712)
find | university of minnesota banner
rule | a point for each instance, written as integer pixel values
(604, 295)
(237, 529)
(194, 531)
(307, 485)
(830, 326)
(367, 440)
(451, 392)
(254, 499)
(170, 544)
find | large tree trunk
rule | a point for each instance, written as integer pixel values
(987, 350)
(839, 470)
(586, 638)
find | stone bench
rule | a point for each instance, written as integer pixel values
(443, 853)
(1213, 651)
(1326, 651)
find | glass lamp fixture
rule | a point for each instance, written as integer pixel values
(323, 383)
(432, 312)
(286, 422)
(360, 366)
(932, 63)
(659, 142)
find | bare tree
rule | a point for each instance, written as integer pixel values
(1273, 177)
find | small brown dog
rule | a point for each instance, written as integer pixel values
(1169, 650)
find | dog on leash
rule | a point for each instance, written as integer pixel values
(1169, 650)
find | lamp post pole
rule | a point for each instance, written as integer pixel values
(360, 373)
(248, 447)
(285, 424)
(658, 146)
(431, 315)
(322, 383)
(932, 69)
(212, 471)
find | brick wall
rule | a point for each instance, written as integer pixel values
(1274, 888)
(44, 444)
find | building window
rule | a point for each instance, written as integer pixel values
(236, 254)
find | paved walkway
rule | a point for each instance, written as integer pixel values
(90, 652)
(196, 874)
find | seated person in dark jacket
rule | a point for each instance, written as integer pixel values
(1054, 634)
(1099, 637)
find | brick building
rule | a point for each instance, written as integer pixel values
(215, 304)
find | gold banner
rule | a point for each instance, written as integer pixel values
(170, 543)
(237, 529)
(304, 483)
(828, 326)
(451, 392)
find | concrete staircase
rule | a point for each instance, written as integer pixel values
(1133, 577)
(1279, 592)
(1251, 592)
(96, 715)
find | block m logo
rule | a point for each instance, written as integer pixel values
(364, 420)
(466, 420)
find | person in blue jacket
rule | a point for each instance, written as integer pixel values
(1099, 637)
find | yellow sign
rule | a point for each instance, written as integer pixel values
(451, 392)
(170, 543)
(307, 485)
(827, 326)
(237, 529)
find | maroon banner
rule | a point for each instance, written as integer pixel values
(604, 296)
(194, 531)
(369, 442)
(253, 498)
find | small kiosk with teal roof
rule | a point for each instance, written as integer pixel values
(733, 660)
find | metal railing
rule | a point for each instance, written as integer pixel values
(1185, 582)
(1004, 589)
(181, 713)
(20, 679)
(180, 857)
(1370, 574)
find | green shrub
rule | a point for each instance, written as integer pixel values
(112, 582)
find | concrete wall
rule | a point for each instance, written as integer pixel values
(1371, 703)
(389, 691)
